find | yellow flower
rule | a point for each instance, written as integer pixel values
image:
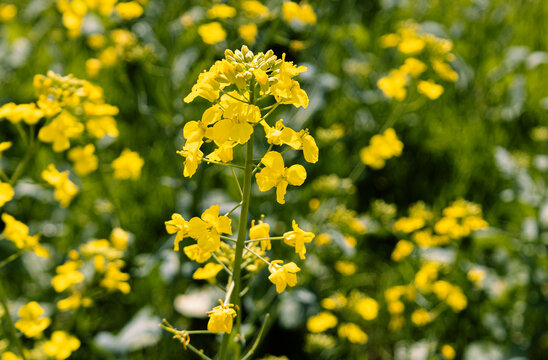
(67, 276)
(177, 225)
(221, 11)
(303, 12)
(61, 345)
(346, 268)
(457, 300)
(396, 307)
(73, 302)
(323, 239)
(221, 318)
(255, 8)
(286, 90)
(421, 317)
(65, 190)
(334, 301)
(30, 322)
(7, 12)
(4, 145)
(212, 33)
(430, 89)
(93, 66)
(321, 322)
(448, 352)
(18, 233)
(353, 333)
(476, 276)
(408, 224)
(129, 10)
(84, 159)
(8, 355)
(192, 159)
(207, 229)
(281, 134)
(26, 112)
(426, 276)
(260, 231)
(413, 67)
(368, 308)
(6, 193)
(101, 126)
(445, 71)
(283, 275)
(402, 250)
(115, 279)
(389, 40)
(194, 252)
(208, 272)
(393, 85)
(119, 238)
(297, 238)
(128, 165)
(275, 174)
(60, 130)
(248, 32)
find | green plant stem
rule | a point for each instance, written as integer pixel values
(258, 340)
(33, 145)
(10, 258)
(9, 320)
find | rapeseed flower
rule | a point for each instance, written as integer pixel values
(321, 322)
(221, 318)
(212, 33)
(61, 345)
(352, 333)
(6, 193)
(64, 127)
(128, 165)
(283, 275)
(85, 161)
(65, 190)
(275, 174)
(30, 322)
(297, 238)
(207, 229)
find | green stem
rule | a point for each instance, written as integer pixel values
(258, 340)
(240, 242)
(10, 258)
(9, 320)
(29, 154)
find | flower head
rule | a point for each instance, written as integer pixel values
(297, 238)
(65, 190)
(275, 174)
(221, 318)
(207, 229)
(31, 323)
(283, 275)
(128, 165)
(61, 345)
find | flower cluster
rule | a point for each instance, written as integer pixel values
(411, 41)
(18, 233)
(381, 148)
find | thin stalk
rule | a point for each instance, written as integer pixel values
(240, 242)
(4, 176)
(33, 145)
(224, 164)
(10, 258)
(270, 111)
(234, 208)
(237, 182)
(258, 340)
(198, 352)
(257, 255)
(9, 320)
(270, 238)
(222, 264)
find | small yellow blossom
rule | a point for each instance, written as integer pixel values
(61, 345)
(67, 276)
(323, 239)
(275, 174)
(101, 126)
(413, 67)
(84, 159)
(29, 113)
(221, 11)
(346, 268)
(129, 10)
(283, 275)
(408, 224)
(402, 250)
(64, 127)
(208, 272)
(212, 33)
(393, 85)
(381, 147)
(18, 233)
(430, 89)
(396, 307)
(457, 300)
(128, 165)
(119, 238)
(302, 12)
(445, 71)
(260, 231)
(448, 352)
(297, 238)
(207, 229)
(96, 41)
(65, 190)
(421, 317)
(248, 32)
(6, 193)
(476, 276)
(8, 355)
(321, 322)
(368, 308)
(221, 318)
(93, 66)
(194, 252)
(177, 225)
(353, 333)
(30, 323)
(115, 279)
(334, 301)
(7, 13)
(73, 302)
(4, 145)
(255, 8)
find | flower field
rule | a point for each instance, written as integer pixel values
(273, 180)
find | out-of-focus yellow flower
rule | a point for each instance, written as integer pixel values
(7, 13)
(260, 231)
(367, 307)
(389, 40)
(29, 113)
(67, 276)
(119, 238)
(96, 41)
(207, 229)
(421, 317)
(457, 300)
(393, 85)
(208, 272)
(353, 333)
(427, 274)
(413, 67)
(321, 322)
(381, 148)
(334, 301)
(212, 33)
(346, 268)
(4, 145)
(396, 307)
(30, 323)
(323, 239)
(64, 127)
(6, 193)
(93, 66)
(18, 233)
(275, 174)
(65, 190)
(444, 71)
(221, 11)
(302, 12)
(101, 126)
(61, 345)
(129, 10)
(248, 32)
(254, 8)
(430, 89)
(221, 318)
(476, 276)
(73, 302)
(402, 250)
(115, 279)
(448, 352)
(283, 275)
(8, 355)
(408, 224)
(128, 165)
(84, 159)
